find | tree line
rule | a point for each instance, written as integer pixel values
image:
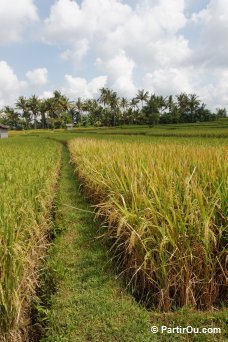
(107, 110)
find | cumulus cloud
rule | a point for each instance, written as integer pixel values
(77, 52)
(10, 86)
(215, 94)
(15, 16)
(177, 79)
(38, 77)
(120, 73)
(46, 94)
(79, 87)
(121, 38)
(213, 43)
(157, 45)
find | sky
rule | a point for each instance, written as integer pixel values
(79, 46)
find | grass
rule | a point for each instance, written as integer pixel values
(165, 209)
(27, 179)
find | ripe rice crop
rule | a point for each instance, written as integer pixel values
(165, 209)
(28, 174)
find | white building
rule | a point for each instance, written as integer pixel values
(69, 127)
(3, 131)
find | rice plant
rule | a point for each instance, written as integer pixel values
(28, 173)
(165, 209)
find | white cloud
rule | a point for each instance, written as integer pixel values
(150, 44)
(14, 18)
(77, 52)
(63, 22)
(168, 81)
(38, 77)
(119, 70)
(215, 94)
(46, 94)
(120, 38)
(213, 25)
(10, 86)
(79, 87)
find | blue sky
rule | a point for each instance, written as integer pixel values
(166, 47)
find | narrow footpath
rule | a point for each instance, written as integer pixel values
(89, 303)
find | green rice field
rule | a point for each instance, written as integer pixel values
(159, 196)
(28, 177)
(165, 207)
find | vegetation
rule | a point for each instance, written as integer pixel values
(165, 207)
(90, 303)
(28, 174)
(108, 110)
(163, 203)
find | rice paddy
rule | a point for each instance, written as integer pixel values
(28, 174)
(165, 210)
(162, 208)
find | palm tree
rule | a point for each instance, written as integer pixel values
(124, 105)
(79, 106)
(111, 101)
(95, 112)
(105, 96)
(170, 103)
(182, 106)
(114, 105)
(161, 103)
(134, 103)
(34, 107)
(57, 106)
(11, 117)
(194, 104)
(43, 109)
(142, 96)
(151, 110)
(22, 104)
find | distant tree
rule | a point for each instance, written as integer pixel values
(115, 106)
(151, 110)
(22, 104)
(105, 96)
(134, 103)
(182, 107)
(142, 96)
(194, 105)
(124, 106)
(43, 110)
(12, 117)
(34, 107)
(57, 107)
(79, 106)
(221, 113)
(94, 111)
(109, 110)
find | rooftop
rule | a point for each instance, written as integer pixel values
(3, 126)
